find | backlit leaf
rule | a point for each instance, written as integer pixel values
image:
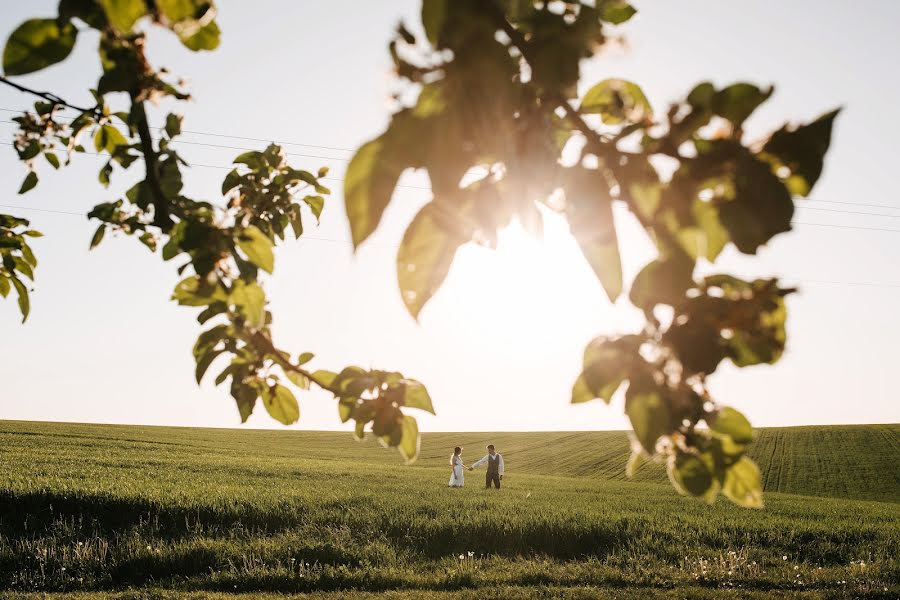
(368, 186)
(258, 248)
(425, 255)
(802, 150)
(743, 484)
(36, 44)
(252, 300)
(616, 11)
(649, 414)
(617, 101)
(738, 101)
(409, 442)
(416, 396)
(732, 423)
(281, 404)
(123, 14)
(690, 474)
(24, 301)
(589, 211)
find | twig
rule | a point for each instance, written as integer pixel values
(48, 96)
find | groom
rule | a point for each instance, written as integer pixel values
(494, 467)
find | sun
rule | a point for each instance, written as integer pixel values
(539, 287)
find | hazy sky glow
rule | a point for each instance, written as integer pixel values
(501, 343)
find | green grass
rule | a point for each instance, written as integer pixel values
(149, 512)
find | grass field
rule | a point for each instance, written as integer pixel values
(137, 512)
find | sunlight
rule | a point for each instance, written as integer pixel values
(544, 288)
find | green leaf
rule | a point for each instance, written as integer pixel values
(52, 159)
(663, 281)
(205, 38)
(281, 404)
(761, 208)
(173, 125)
(617, 101)
(30, 181)
(434, 14)
(690, 474)
(107, 137)
(123, 14)
(802, 150)
(409, 442)
(98, 236)
(425, 255)
(183, 10)
(190, 292)
(252, 299)
(649, 414)
(708, 237)
(305, 358)
(31, 150)
(415, 395)
(743, 484)
(373, 173)
(298, 379)
(37, 44)
(738, 101)
(24, 302)
(316, 204)
(324, 378)
(4, 286)
(589, 211)
(204, 361)
(616, 12)
(581, 392)
(607, 363)
(258, 248)
(24, 268)
(732, 423)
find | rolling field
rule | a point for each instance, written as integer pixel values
(134, 512)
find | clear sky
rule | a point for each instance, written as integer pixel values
(501, 343)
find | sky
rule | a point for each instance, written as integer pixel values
(501, 343)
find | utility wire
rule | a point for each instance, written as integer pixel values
(237, 137)
(349, 243)
(229, 147)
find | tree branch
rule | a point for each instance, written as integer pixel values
(606, 151)
(264, 342)
(48, 96)
(161, 216)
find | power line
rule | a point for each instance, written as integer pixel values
(888, 206)
(848, 212)
(211, 134)
(229, 147)
(846, 226)
(349, 243)
(339, 149)
(228, 168)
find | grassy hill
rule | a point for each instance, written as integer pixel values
(98, 508)
(849, 461)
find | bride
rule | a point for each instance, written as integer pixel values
(456, 468)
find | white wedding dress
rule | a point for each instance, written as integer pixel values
(456, 479)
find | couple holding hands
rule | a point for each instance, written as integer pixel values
(494, 467)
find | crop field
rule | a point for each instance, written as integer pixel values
(106, 511)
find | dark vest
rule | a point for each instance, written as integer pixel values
(493, 467)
